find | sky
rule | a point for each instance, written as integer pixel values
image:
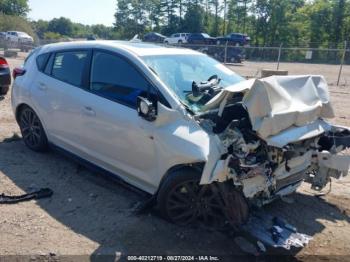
(87, 12)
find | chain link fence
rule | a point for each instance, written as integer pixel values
(333, 63)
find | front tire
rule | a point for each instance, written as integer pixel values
(32, 130)
(183, 201)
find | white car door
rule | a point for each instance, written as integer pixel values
(58, 96)
(114, 134)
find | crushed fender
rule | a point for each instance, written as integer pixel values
(42, 193)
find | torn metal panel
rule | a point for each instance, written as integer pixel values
(293, 166)
(255, 185)
(214, 154)
(294, 134)
(276, 103)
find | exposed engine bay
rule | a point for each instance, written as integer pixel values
(272, 135)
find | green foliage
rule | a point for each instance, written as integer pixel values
(40, 27)
(193, 21)
(316, 23)
(15, 23)
(62, 26)
(52, 36)
(14, 7)
(308, 23)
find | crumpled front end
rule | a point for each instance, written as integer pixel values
(273, 137)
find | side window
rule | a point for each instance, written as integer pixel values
(41, 61)
(69, 66)
(49, 65)
(114, 78)
(177, 35)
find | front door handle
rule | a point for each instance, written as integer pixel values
(87, 110)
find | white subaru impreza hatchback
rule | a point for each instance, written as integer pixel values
(179, 125)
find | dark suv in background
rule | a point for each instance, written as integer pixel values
(236, 39)
(154, 37)
(201, 38)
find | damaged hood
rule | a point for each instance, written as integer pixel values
(282, 109)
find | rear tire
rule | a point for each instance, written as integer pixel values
(32, 130)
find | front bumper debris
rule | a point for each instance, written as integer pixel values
(274, 232)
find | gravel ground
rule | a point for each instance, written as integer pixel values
(90, 214)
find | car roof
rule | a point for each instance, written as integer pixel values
(138, 49)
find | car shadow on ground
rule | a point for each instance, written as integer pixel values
(102, 210)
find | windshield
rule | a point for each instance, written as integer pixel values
(179, 71)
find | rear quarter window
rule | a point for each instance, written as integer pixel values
(41, 61)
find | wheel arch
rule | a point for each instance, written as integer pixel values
(19, 108)
(198, 167)
(23, 105)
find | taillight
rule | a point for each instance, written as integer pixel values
(3, 63)
(18, 72)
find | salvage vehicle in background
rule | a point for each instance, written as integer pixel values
(178, 38)
(205, 142)
(154, 37)
(2, 35)
(201, 38)
(236, 39)
(19, 37)
(5, 76)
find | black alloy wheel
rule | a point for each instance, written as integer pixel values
(32, 130)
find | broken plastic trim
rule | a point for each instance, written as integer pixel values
(42, 193)
(274, 232)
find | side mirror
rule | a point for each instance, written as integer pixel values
(146, 109)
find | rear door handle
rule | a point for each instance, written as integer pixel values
(87, 110)
(42, 86)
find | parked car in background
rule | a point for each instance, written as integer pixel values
(91, 37)
(236, 39)
(5, 76)
(178, 38)
(19, 37)
(201, 38)
(2, 35)
(154, 37)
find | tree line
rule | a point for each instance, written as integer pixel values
(309, 23)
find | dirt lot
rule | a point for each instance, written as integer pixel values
(89, 214)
